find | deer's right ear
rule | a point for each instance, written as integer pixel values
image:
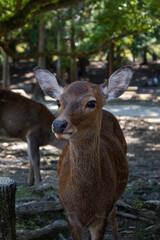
(117, 83)
(48, 82)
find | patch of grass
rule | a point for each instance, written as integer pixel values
(28, 192)
(23, 193)
(27, 224)
(33, 222)
(148, 232)
(138, 204)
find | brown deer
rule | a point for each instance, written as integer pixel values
(93, 170)
(29, 121)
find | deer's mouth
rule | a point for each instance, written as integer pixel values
(63, 131)
(63, 136)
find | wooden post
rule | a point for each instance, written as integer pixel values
(7, 209)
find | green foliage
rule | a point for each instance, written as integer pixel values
(28, 192)
(145, 42)
(8, 8)
(147, 232)
(127, 24)
(139, 204)
(155, 8)
(110, 18)
(32, 222)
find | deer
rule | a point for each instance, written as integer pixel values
(92, 169)
(29, 121)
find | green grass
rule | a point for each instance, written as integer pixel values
(138, 204)
(148, 234)
(28, 192)
(33, 222)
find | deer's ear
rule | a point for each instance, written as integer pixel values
(117, 83)
(48, 82)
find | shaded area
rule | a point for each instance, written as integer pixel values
(142, 136)
(21, 75)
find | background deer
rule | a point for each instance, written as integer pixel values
(93, 170)
(29, 121)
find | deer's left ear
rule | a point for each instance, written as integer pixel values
(48, 82)
(117, 83)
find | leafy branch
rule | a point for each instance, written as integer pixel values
(29, 11)
(18, 56)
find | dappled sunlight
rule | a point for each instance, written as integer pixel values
(142, 137)
(11, 165)
(50, 149)
(29, 75)
(52, 107)
(133, 110)
(16, 146)
(132, 139)
(98, 64)
(13, 157)
(14, 160)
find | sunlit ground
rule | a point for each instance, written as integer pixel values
(14, 160)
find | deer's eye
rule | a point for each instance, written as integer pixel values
(58, 103)
(91, 104)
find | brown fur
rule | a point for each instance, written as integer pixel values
(29, 121)
(92, 169)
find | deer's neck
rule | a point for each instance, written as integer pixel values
(85, 158)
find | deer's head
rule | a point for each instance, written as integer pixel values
(80, 103)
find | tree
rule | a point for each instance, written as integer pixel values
(38, 93)
(112, 21)
(5, 71)
(15, 14)
(105, 21)
(100, 26)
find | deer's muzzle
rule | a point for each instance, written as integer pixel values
(59, 126)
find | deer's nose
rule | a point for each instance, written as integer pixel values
(59, 126)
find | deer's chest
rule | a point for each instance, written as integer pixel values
(86, 202)
(87, 188)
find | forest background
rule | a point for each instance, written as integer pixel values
(64, 36)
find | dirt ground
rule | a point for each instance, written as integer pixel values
(143, 139)
(139, 215)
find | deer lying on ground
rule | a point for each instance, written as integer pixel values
(29, 121)
(93, 170)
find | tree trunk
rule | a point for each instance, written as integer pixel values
(154, 56)
(73, 69)
(38, 93)
(110, 59)
(58, 49)
(117, 58)
(5, 74)
(7, 209)
(73, 74)
(145, 62)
